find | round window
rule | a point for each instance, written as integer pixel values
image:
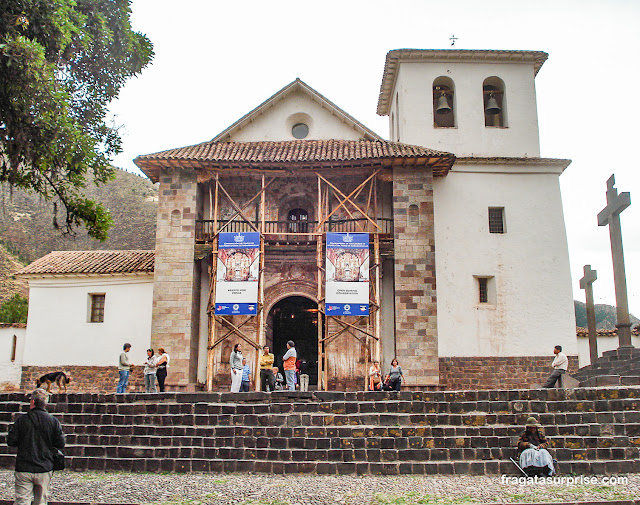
(300, 130)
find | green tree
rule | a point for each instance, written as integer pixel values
(61, 63)
(14, 310)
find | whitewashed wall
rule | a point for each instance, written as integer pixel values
(58, 331)
(11, 370)
(470, 137)
(605, 343)
(276, 122)
(533, 309)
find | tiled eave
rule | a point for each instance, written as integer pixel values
(90, 263)
(293, 158)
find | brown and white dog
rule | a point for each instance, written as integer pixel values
(60, 378)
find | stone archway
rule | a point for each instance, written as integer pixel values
(295, 318)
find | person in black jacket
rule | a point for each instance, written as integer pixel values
(35, 434)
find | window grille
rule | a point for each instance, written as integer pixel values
(496, 220)
(97, 308)
(483, 292)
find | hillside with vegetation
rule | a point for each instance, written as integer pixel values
(26, 229)
(605, 316)
(9, 284)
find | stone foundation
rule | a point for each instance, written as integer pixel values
(84, 379)
(503, 372)
(456, 373)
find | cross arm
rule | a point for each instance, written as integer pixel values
(590, 276)
(621, 202)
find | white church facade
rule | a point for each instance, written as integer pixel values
(470, 274)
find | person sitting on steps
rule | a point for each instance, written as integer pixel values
(532, 449)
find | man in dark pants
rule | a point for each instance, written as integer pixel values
(266, 370)
(560, 365)
(35, 434)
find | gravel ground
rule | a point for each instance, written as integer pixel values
(260, 489)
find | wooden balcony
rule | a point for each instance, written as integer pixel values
(297, 232)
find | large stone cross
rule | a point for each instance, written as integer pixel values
(586, 283)
(610, 215)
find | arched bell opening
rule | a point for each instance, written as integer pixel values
(444, 115)
(494, 102)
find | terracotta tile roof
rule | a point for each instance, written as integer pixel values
(584, 332)
(91, 262)
(295, 151)
(392, 62)
(310, 154)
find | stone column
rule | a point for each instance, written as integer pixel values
(176, 286)
(415, 275)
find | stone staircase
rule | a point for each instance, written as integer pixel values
(592, 431)
(618, 367)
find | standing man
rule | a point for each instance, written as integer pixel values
(235, 361)
(560, 365)
(266, 370)
(124, 368)
(35, 434)
(289, 365)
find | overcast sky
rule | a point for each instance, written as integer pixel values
(215, 61)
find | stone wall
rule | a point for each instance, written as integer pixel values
(175, 294)
(84, 379)
(497, 372)
(415, 277)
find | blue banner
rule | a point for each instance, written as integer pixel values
(347, 274)
(238, 269)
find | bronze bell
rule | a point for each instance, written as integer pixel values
(443, 105)
(492, 106)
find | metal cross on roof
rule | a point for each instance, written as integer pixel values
(453, 39)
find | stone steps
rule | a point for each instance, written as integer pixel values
(98, 433)
(396, 452)
(590, 430)
(386, 406)
(616, 367)
(451, 467)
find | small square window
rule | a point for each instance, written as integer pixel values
(496, 220)
(486, 290)
(96, 310)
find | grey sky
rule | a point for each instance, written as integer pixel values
(215, 61)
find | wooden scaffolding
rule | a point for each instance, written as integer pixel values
(330, 200)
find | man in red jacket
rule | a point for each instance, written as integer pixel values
(35, 434)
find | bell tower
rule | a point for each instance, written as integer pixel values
(471, 103)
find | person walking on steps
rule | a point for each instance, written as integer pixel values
(36, 434)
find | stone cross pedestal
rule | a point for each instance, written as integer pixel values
(610, 215)
(586, 283)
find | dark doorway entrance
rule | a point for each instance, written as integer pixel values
(296, 318)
